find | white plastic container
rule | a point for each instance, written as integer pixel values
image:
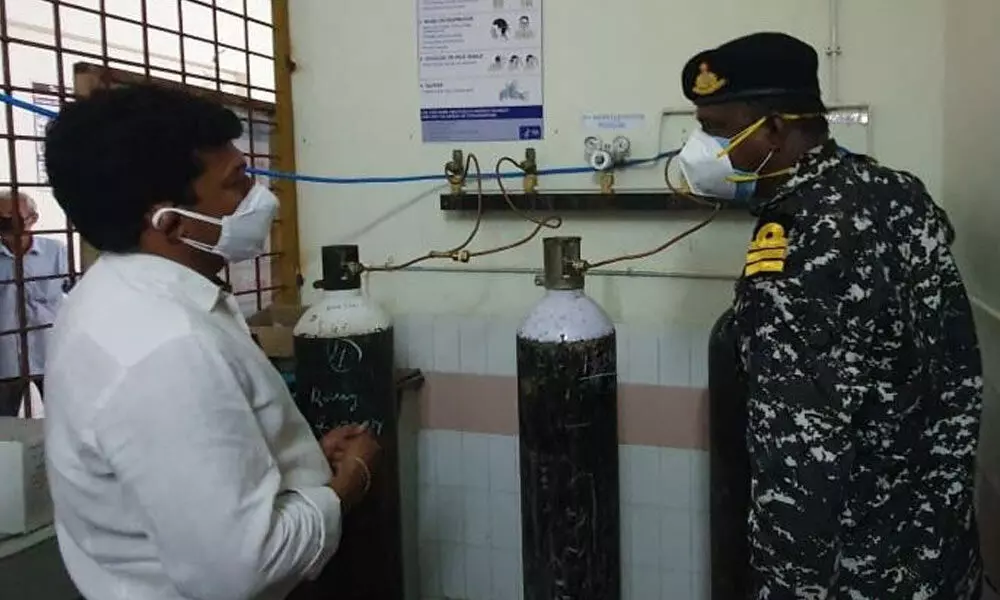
(25, 503)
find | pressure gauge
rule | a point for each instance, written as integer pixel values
(621, 145)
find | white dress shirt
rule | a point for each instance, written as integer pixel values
(42, 298)
(180, 467)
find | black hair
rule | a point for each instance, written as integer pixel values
(502, 25)
(114, 155)
(816, 126)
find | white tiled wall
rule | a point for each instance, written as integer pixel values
(478, 346)
(469, 525)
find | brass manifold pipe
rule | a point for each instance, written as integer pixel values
(456, 172)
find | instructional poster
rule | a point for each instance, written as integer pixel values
(480, 70)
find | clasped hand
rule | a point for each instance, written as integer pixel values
(353, 454)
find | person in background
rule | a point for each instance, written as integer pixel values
(178, 463)
(856, 339)
(42, 257)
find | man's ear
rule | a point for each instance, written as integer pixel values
(166, 222)
(777, 131)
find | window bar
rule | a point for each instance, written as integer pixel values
(180, 40)
(61, 85)
(24, 367)
(144, 17)
(128, 63)
(29, 90)
(250, 120)
(25, 330)
(160, 28)
(269, 288)
(226, 275)
(35, 277)
(103, 19)
(226, 11)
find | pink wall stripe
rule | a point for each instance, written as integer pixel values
(668, 417)
(662, 416)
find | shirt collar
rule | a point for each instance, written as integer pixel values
(809, 168)
(32, 249)
(168, 277)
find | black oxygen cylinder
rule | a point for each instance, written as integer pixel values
(568, 416)
(729, 464)
(345, 375)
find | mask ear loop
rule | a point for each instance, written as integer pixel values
(158, 215)
(756, 176)
(746, 133)
(199, 245)
(741, 137)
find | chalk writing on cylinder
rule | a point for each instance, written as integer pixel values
(320, 398)
(586, 378)
(343, 355)
(375, 426)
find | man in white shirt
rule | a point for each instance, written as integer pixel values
(179, 466)
(42, 258)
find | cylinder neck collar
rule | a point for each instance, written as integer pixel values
(562, 263)
(341, 268)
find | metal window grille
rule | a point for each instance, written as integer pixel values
(55, 50)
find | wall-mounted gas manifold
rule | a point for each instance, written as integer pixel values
(605, 157)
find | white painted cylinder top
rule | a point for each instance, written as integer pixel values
(566, 316)
(342, 313)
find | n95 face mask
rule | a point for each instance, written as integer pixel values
(243, 234)
(708, 171)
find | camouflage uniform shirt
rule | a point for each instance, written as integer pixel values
(865, 390)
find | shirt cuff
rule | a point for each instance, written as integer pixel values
(326, 502)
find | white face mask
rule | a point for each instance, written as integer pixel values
(709, 171)
(243, 234)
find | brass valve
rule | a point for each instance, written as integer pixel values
(530, 168)
(607, 180)
(455, 171)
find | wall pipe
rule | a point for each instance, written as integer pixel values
(596, 272)
(833, 51)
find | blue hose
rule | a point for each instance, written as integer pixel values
(51, 114)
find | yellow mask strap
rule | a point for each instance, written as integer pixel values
(741, 137)
(755, 177)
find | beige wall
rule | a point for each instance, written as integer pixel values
(971, 157)
(356, 111)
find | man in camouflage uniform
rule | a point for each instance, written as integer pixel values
(856, 339)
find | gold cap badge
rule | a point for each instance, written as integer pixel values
(707, 82)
